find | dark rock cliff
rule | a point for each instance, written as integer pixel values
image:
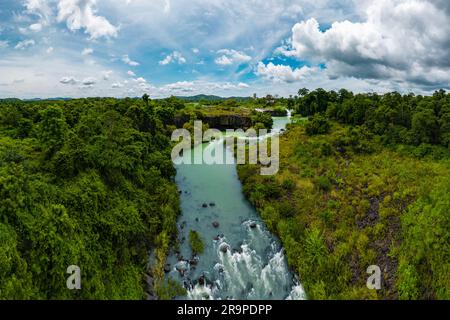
(220, 122)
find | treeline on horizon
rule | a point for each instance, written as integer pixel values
(405, 119)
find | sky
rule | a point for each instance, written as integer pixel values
(120, 48)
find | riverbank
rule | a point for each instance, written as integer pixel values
(240, 259)
(339, 208)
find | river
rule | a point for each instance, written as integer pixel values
(241, 259)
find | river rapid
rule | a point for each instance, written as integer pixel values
(241, 259)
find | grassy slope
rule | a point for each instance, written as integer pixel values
(337, 212)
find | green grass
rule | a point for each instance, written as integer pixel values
(340, 204)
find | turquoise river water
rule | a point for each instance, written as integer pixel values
(242, 259)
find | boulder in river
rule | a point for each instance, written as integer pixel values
(181, 267)
(167, 268)
(253, 225)
(205, 205)
(194, 261)
(239, 250)
(224, 248)
(202, 281)
(212, 204)
(216, 224)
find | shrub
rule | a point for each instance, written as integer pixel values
(323, 183)
(169, 290)
(318, 124)
(196, 243)
(286, 209)
(288, 185)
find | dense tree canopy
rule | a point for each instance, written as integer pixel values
(83, 182)
(400, 118)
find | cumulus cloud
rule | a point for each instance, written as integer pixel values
(126, 59)
(39, 8)
(68, 80)
(140, 80)
(401, 40)
(197, 87)
(82, 14)
(107, 75)
(49, 50)
(174, 57)
(181, 86)
(87, 51)
(4, 44)
(22, 45)
(89, 81)
(35, 27)
(282, 73)
(167, 6)
(131, 73)
(230, 57)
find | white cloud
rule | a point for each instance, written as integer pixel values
(4, 44)
(174, 57)
(140, 80)
(230, 57)
(82, 14)
(401, 40)
(198, 87)
(36, 27)
(131, 73)
(195, 50)
(117, 85)
(25, 44)
(39, 8)
(68, 80)
(167, 6)
(49, 50)
(282, 73)
(126, 59)
(181, 86)
(107, 75)
(89, 81)
(87, 51)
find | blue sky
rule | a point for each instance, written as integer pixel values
(80, 48)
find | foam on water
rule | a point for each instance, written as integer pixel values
(242, 259)
(254, 271)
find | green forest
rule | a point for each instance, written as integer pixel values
(84, 182)
(364, 180)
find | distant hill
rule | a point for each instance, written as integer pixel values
(211, 98)
(10, 100)
(49, 99)
(197, 98)
(34, 99)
